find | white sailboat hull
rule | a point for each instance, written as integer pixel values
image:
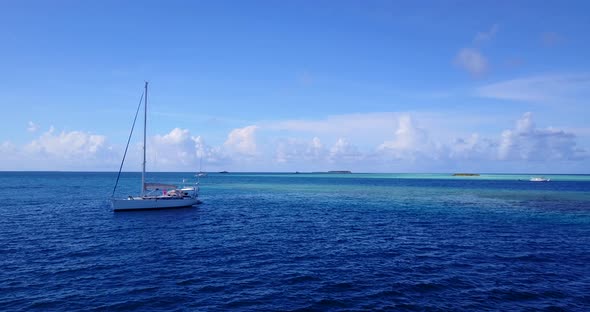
(139, 203)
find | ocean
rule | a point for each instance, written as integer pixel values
(297, 242)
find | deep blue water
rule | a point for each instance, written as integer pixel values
(297, 242)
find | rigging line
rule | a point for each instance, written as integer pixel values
(126, 147)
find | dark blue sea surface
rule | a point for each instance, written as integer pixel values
(297, 242)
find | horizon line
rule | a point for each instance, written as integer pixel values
(292, 172)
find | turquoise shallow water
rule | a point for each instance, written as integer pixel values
(437, 176)
(298, 242)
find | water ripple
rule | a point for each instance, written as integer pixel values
(278, 242)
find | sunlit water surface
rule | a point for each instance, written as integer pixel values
(298, 242)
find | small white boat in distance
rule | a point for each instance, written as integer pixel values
(201, 173)
(154, 195)
(539, 179)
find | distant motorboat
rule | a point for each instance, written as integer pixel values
(539, 179)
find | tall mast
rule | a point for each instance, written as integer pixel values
(144, 138)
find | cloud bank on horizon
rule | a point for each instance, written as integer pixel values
(408, 147)
(290, 87)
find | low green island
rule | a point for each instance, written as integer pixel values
(466, 174)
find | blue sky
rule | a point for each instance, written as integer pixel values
(368, 86)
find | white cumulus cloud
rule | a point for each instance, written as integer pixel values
(65, 150)
(209, 154)
(172, 150)
(292, 150)
(410, 142)
(68, 145)
(527, 142)
(178, 150)
(344, 151)
(242, 140)
(473, 148)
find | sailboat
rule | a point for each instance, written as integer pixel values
(201, 173)
(153, 195)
